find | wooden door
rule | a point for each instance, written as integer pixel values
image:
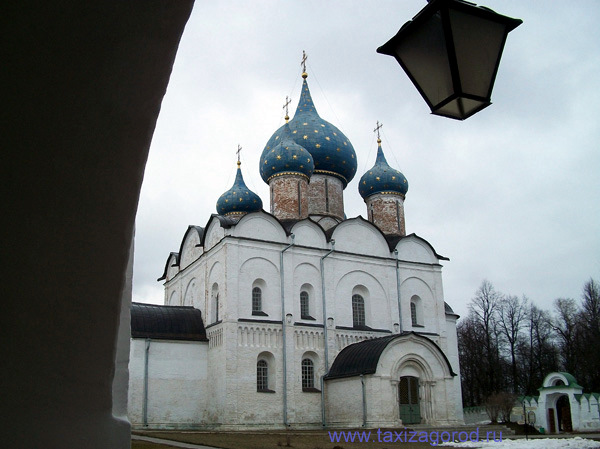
(408, 391)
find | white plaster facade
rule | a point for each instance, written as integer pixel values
(233, 258)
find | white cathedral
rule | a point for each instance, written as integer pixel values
(299, 317)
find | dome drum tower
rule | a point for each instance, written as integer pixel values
(386, 211)
(287, 168)
(289, 197)
(332, 160)
(384, 189)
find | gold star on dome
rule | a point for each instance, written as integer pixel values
(352, 156)
(365, 183)
(305, 137)
(227, 201)
(308, 160)
(318, 145)
(316, 131)
(338, 149)
(343, 162)
(327, 157)
(335, 134)
(278, 157)
(276, 137)
(241, 199)
(234, 192)
(393, 178)
(305, 124)
(294, 157)
(302, 166)
(345, 144)
(294, 131)
(377, 178)
(266, 162)
(327, 138)
(323, 126)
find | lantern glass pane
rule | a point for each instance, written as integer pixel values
(424, 56)
(461, 108)
(478, 43)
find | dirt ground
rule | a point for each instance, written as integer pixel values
(270, 440)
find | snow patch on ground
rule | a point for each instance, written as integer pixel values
(538, 443)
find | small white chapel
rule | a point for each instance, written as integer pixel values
(299, 317)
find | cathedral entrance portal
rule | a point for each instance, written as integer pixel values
(408, 391)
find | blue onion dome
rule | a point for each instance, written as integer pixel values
(331, 150)
(238, 200)
(286, 158)
(382, 178)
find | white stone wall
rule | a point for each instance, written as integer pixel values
(235, 260)
(177, 383)
(344, 400)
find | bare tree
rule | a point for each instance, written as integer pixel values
(471, 353)
(484, 307)
(542, 354)
(511, 320)
(566, 324)
(590, 324)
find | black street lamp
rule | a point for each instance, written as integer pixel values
(451, 51)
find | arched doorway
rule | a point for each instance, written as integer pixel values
(563, 413)
(408, 392)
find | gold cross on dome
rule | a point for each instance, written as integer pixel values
(238, 153)
(377, 128)
(303, 62)
(285, 106)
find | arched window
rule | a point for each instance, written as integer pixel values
(256, 300)
(217, 308)
(215, 303)
(304, 305)
(308, 374)
(358, 311)
(413, 314)
(262, 376)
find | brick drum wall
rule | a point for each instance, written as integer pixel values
(387, 212)
(326, 196)
(285, 193)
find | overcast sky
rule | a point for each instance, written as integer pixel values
(510, 195)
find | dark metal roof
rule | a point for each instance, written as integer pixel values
(363, 357)
(167, 322)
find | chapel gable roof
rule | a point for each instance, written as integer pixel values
(167, 322)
